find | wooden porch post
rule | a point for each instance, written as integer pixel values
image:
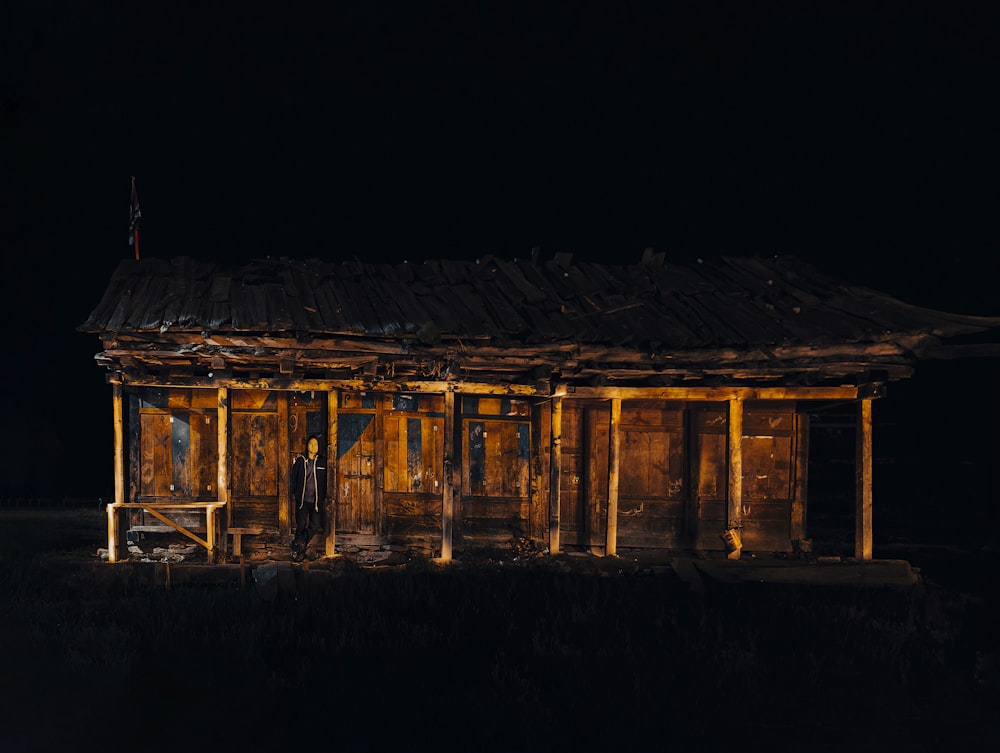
(801, 489)
(119, 471)
(222, 480)
(614, 446)
(734, 511)
(863, 482)
(447, 490)
(332, 467)
(212, 531)
(555, 474)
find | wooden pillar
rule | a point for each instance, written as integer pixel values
(378, 462)
(118, 413)
(112, 532)
(734, 510)
(539, 453)
(863, 482)
(332, 469)
(211, 513)
(284, 464)
(594, 485)
(801, 490)
(448, 487)
(614, 447)
(555, 473)
(222, 479)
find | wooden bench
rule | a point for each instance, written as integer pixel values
(238, 534)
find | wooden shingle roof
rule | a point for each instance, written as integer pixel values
(774, 318)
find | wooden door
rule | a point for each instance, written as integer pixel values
(572, 504)
(652, 484)
(597, 423)
(356, 473)
(710, 468)
(495, 455)
(769, 447)
(255, 456)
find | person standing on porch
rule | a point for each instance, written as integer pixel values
(308, 490)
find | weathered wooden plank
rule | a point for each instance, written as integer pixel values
(332, 474)
(477, 318)
(445, 314)
(185, 288)
(304, 299)
(414, 314)
(614, 460)
(451, 484)
(238, 308)
(330, 310)
(734, 510)
(145, 304)
(612, 283)
(546, 312)
(219, 288)
(383, 297)
(515, 278)
(256, 299)
(766, 293)
(510, 297)
(115, 306)
(425, 507)
(450, 314)
(279, 311)
(863, 482)
(354, 307)
(508, 319)
(291, 298)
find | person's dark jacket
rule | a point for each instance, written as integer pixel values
(299, 480)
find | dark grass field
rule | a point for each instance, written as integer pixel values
(484, 655)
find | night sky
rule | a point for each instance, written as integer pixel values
(859, 136)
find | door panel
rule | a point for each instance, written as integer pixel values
(597, 430)
(572, 504)
(768, 477)
(155, 471)
(356, 473)
(652, 476)
(707, 518)
(256, 456)
(413, 454)
(204, 428)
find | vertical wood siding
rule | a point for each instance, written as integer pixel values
(388, 482)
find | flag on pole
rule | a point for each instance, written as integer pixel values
(134, 215)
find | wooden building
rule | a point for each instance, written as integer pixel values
(568, 404)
